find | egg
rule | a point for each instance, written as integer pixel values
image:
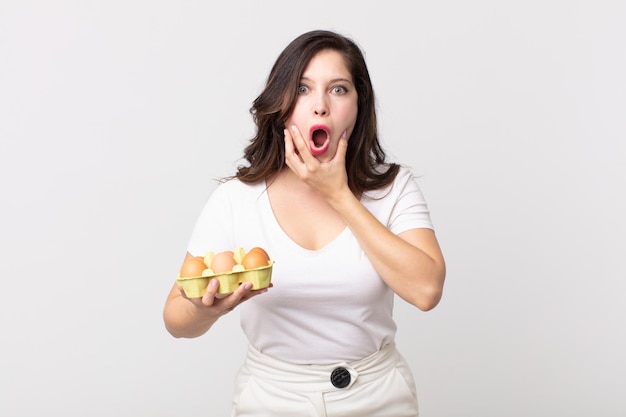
(192, 267)
(223, 262)
(253, 260)
(260, 250)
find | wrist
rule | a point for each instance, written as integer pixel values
(343, 202)
(201, 314)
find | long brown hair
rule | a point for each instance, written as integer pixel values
(366, 166)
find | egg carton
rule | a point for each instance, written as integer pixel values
(260, 278)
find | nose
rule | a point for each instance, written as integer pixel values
(320, 106)
(321, 111)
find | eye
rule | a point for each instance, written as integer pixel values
(303, 89)
(339, 90)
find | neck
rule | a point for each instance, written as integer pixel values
(287, 180)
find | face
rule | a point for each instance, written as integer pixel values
(327, 104)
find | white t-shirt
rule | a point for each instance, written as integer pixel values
(326, 305)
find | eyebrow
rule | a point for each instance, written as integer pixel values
(334, 80)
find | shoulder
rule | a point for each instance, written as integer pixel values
(405, 174)
(230, 198)
(401, 205)
(404, 178)
(233, 188)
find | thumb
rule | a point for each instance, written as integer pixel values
(342, 147)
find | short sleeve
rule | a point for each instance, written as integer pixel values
(409, 210)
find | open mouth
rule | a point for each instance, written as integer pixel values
(319, 139)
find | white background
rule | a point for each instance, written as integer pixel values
(115, 116)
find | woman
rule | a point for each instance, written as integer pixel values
(347, 229)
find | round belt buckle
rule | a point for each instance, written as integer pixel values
(340, 377)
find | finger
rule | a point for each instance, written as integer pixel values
(301, 145)
(182, 292)
(237, 297)
(194, 300)
(290, 150)
(242, 291)
(254, 293)
(292, 156)
(209, 296)
(342, 148)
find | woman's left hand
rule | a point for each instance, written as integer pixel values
(411, 263)
(328, 178)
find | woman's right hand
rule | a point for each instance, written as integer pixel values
(192, 317)
(218, 304)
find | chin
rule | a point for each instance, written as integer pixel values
(325, 157)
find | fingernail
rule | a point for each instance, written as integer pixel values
(285, 132)
(247, 285)
(293, 127)
(214, 283)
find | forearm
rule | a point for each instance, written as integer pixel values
(184, 319)
(412, 265)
